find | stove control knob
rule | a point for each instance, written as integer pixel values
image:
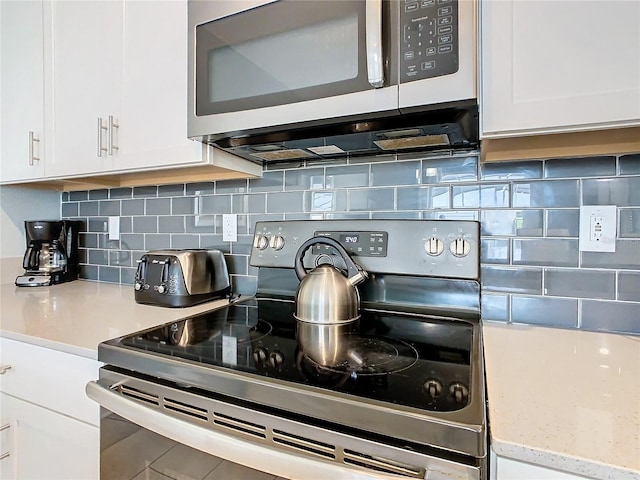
(277, 242)
(138, 286)
(459, 393)
(433, 388)
(276, 359)
(460, 247)
(261, 242)
(434, 246)
(162, 288)
(260, 356)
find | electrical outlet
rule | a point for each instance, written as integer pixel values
(598, 227)
(230, 227)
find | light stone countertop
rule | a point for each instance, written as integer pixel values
(74, 317)
(564, 399)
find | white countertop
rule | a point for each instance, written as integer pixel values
(75, 317)
(565, 399)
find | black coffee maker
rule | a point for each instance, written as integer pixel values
(52, 253)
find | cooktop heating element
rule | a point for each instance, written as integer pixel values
(409, 391)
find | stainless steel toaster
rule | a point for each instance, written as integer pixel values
(181, 278)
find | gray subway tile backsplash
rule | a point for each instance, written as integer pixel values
(580, 283)
(532, 271)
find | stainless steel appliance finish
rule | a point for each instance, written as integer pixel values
(288, 80)
(181, 278)
(52, 253)
(409, 402)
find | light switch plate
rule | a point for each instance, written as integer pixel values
(598, 227)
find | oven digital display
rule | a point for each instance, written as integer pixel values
(352, 238)
(363, 244)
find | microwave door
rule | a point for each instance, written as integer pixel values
(438, 55)
(289, 62)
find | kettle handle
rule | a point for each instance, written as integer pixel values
(355, 273)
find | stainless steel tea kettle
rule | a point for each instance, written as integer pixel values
(325, 295)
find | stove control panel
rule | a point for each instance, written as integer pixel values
(438, 248)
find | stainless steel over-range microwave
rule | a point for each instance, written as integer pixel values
(259, 67)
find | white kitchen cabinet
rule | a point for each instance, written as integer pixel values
(48, 445)
(129, 71)
(507, 469)
(86, 63)
(21, 90)
(53, 428)
(561, 66)
(153, 125)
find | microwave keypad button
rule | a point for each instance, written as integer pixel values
(444, 1)
(445, 49)
(411, 7)
(445, 20)
(431, 51)
(428, 65)
(445, 30)
(408, 55)
(428, 3)
(444, 39)
(445, 11)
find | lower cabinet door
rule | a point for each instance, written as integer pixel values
(46, 445)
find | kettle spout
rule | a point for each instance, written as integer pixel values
(359, 277)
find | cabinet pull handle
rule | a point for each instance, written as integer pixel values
(32, 140)
(113, 125)
(4, 369)
(4, 455)
(100, 129)
(4, 427)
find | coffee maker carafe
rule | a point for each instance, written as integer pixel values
(52, 253)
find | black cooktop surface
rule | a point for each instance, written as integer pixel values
(413, 360)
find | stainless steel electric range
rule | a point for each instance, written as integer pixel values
(235, 383)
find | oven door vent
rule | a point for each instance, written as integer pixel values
(186, 409)
(381, 464)
(305, 444)
(139, 394)
(239, 425)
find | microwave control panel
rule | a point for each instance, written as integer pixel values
(429, 39)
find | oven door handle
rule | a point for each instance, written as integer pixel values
(218, 444)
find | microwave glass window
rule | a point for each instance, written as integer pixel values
(280, 53)
(318, 54)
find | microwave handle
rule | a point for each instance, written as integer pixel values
(374, 42)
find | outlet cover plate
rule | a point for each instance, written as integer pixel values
(229, 227)
(598, 227)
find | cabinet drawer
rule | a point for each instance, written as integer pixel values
(49, 378)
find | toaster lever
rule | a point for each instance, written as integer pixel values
(140, 274)
(164, 276)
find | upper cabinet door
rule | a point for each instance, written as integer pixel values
(87, 84)
(22, 86)
(153, 127)
(559, 66)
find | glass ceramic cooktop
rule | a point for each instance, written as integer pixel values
(411, 360)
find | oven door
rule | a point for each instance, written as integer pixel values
(260, 63)
(150, 429)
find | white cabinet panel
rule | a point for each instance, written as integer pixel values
(507, 469)
(559, 66)
(49, 378)
(153, 127)
(21, 90)
(87, 82)
(47, 445)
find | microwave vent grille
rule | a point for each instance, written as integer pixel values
(413, 142)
